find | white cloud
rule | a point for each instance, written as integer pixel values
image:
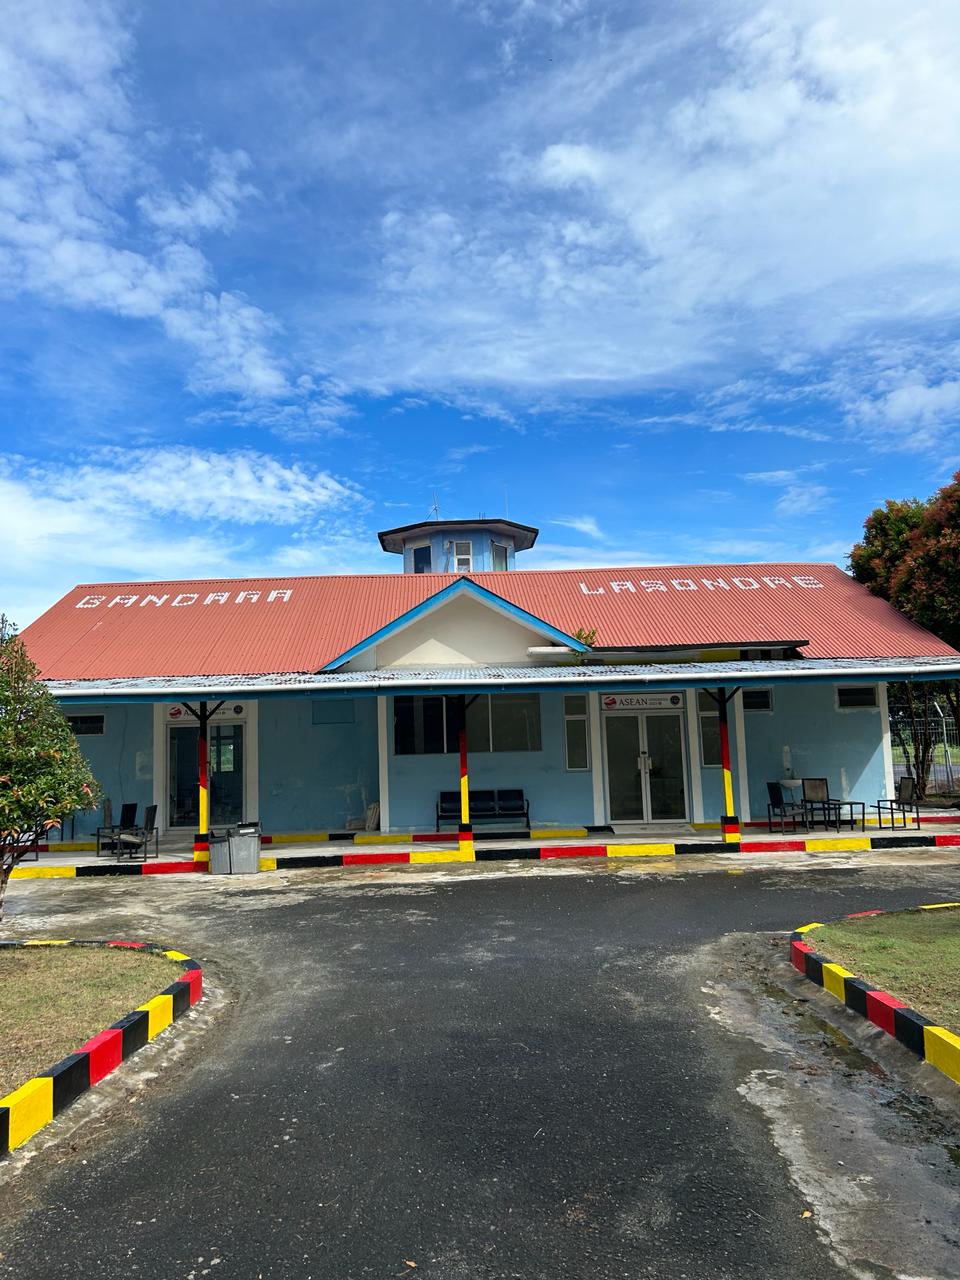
(212, 209)
(770, 477)
(582, 524)
(803, 499)
(161, 513)
(457, 457)
(914, 415)
(782, 476)
(77, 160)
(776, 182)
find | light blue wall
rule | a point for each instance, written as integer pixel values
(443, 559)
(121, 760)
(314, 777)
(556, 796)
(845, 747)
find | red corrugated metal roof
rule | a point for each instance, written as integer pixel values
(260, 625)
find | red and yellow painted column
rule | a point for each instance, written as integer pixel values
(466, 828)
(201, 841)
(729, 822)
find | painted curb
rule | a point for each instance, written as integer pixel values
(34, 1104)
(278, 861)
(435, 837)
(934, 1044)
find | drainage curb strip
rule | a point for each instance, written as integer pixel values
(451, 837)
(34, 1104)
(277, 861)
(929, 1041)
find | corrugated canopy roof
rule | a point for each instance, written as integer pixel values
(677, 675)
(267, 625)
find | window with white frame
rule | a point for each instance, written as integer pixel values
(431, 726)
(758, 699)
(576, 741)
(709, 717)
(463, 556)
(422, 559)
(498, 556)
(856, 697)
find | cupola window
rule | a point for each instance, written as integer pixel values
(463, 556)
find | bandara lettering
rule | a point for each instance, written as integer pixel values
(184, 599)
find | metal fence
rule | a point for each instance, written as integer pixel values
(943, 777)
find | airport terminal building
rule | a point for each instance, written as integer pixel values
(649, 697)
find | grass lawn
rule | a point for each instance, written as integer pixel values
(52, 999)
(913, 955)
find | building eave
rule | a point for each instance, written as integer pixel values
(603, 679)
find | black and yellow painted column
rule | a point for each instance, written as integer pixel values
(466, 828)
(729, 821)
(201, 840)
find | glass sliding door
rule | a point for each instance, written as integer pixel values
(646, 767)
(226, 774)
(225, 769)
(182, 776)
(624, 768)
(664, 735)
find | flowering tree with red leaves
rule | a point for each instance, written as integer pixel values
(910, 555)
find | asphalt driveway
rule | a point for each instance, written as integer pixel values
(469, 1079)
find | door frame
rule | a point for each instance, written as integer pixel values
(642, 740)
(249, 718)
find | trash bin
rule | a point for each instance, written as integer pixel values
(219, 854)
(244, 843)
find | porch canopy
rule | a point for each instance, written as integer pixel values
(489, 679)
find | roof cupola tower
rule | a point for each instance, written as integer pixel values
(458, 546)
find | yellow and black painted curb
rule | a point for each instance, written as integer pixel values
(277, 860)
(535, 833)
(27, 1109)
(934, 1044)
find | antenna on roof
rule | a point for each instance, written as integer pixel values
(435, 509)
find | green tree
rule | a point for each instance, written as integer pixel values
(887, 532)
(43, 776)
(926, 584)
(910, 555)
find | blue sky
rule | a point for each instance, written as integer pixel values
(674, 282)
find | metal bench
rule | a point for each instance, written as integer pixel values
(486, 806)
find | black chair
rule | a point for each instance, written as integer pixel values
(906, 801)
(108, 834)
(512, 804)
(779, 808)
(483, 806)
(448, 807)
(136, 842)
(819, 802)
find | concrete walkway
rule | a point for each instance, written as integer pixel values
(654, 841)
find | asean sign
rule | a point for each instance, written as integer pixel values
(642, 701)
